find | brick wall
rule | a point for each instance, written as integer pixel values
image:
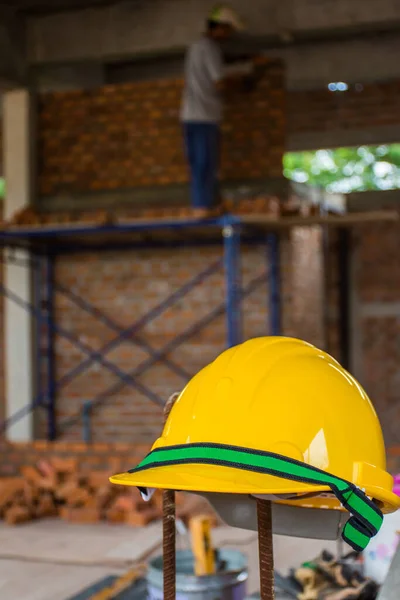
(376, 320)
(374, 301)
(332, 300)
(123, 136)
(374, 304)
(127, 136)
(126, 423)
(361, 107)
(111, 281)
(125, 285)
(307, 286)
(82, 132)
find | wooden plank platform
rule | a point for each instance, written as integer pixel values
(170, 232)
(346, 220)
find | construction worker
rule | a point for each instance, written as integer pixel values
(201, 110)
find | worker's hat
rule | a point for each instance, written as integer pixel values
(225, 15)
(276, 418)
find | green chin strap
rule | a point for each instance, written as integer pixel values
(366, 518)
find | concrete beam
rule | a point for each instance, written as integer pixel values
(377, 200)
(13, 64)
(383, 310)
(68, 77)
(132, 28)
(315, 64)
(388, 134)
(17, 145)
(310, 64)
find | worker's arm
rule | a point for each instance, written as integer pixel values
(235, 82)
(224, 82)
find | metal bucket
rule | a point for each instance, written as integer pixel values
(230, 584)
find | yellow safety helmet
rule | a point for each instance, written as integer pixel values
(272, 417)
(225, 15)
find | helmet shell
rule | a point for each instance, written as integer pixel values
(280, 395)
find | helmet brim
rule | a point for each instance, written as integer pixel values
(203, 478)
(213, 478)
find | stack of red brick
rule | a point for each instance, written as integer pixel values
(56, 487)
(261, 205)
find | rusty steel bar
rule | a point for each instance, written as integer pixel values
(169, 525)
(266, 556)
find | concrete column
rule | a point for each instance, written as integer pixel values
(17, 148)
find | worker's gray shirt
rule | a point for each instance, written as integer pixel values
(203, 69)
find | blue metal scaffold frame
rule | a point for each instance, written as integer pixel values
(47, 243)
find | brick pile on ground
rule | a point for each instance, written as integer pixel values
(56, 488)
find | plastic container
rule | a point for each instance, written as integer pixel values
(227, 585)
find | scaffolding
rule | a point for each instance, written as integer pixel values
(45, 244)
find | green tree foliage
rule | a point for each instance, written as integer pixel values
(347, 170)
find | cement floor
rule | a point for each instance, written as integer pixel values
(52, 560)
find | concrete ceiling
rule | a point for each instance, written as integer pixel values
(38, 7)
(14, 18)
(320, 40)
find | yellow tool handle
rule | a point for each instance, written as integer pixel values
(120, 585)
(202, 548)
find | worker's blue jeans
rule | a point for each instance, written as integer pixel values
(202, 150)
